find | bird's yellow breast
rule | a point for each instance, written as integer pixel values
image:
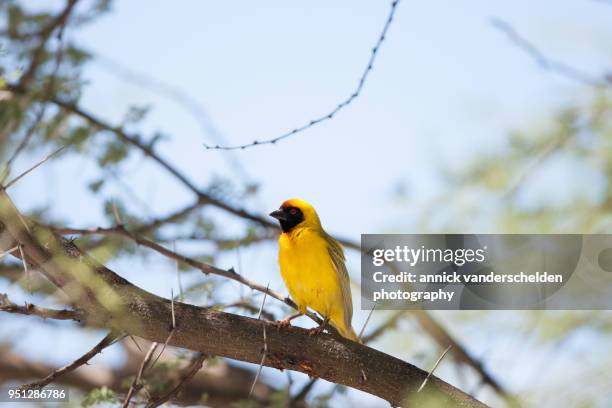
(308, 271)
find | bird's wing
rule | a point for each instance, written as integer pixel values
(337, 256)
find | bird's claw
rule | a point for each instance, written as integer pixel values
(283, 323)
(315, 331)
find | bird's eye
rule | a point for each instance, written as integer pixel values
(293, 211)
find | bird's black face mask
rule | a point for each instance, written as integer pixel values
(288, 217)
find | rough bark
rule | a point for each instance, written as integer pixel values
(110, 301)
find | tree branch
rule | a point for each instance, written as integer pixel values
(29, 309)
(105, 342)
(45, 34)
(346, 102)
(546, 63)
(185, 376)
(136, 383)
(203, 267)
(115, 303)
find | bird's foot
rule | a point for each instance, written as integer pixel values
(315, 331)
(283, 323)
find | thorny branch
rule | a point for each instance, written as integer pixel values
(108, 340)
(29, 309)
(139, 313)
(203, 267)
(204, 198)
(185, 376)
(137, 382)
(328, 116)
(546, 63)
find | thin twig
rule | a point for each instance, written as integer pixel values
(366, 322)
(185, 376)
(541, 157)
(178, 275)
(389, 323)
(136, 141)
(246, 305)
(29, 309)
(176, 94)
(116, 213)
(38, 55)
(136, 384)
(546, 63)
(25, 267)
(5, 253)
(172, 308)
(59, 54)
(172, 329)
(106, 341)
(136, 343)
(16, 179)
(265, 350)
(328, 116)
(203, 267)
(301, 395)
(434, 368)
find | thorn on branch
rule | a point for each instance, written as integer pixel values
(5, 253)
(25, 268)
(434, 368)
(366, 322)
(265, 341)
(172, 330)
(345, 103)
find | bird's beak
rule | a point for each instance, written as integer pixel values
(279, 215)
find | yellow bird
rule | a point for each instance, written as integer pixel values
(312, 266)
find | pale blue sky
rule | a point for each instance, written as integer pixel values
(445, 87)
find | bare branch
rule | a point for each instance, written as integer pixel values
(108, 340)
(139, 313)
(29, 309)
(565, 70)
(8, 251)
(460, 353)
(136, 383)
(59, 55)
(16, 179)
(37, 58)
(185, 376)
(179, 96)
(328, 116)
(203, 267)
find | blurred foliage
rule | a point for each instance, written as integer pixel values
(101, 395)
(550, 177)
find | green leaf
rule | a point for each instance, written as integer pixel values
(100, 396)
